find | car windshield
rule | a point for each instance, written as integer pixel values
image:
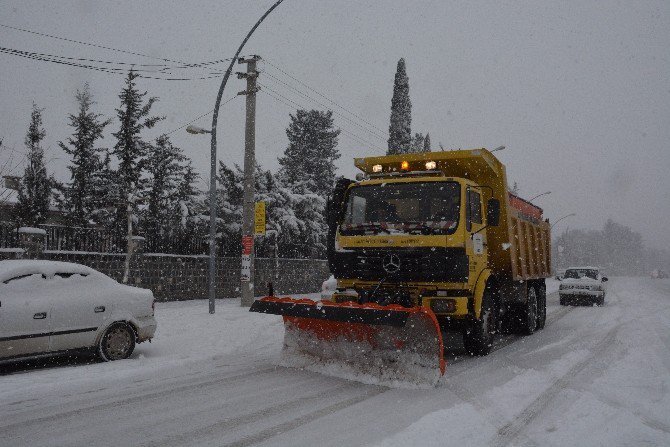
(580, 273)
(426, 207)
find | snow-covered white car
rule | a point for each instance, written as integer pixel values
(580, 284)
(49, 307)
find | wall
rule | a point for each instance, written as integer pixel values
(176, 277)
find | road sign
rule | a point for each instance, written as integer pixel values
(259, 218)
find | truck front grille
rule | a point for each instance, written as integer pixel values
(429, 264)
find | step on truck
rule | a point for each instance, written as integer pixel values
(419, 244)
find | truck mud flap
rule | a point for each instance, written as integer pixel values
(368, 342)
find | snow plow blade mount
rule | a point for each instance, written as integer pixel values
(375, 343)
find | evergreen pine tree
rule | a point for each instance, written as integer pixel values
(35, 189)
(417, 143)
(400, 132)
(426, 143)
(86, 161)
(130, 148)
(309, 160)
(169, 194)
(308, 174)
(104, 193)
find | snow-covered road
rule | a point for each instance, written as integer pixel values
(593, 376)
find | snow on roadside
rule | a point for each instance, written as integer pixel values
(186, 334)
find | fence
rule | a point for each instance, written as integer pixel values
(169, 276)
(98, 240)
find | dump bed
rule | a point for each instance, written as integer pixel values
(529, 254)
(520, 247)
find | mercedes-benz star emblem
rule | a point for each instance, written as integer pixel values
(391, 263)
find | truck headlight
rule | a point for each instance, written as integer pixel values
(443, 306)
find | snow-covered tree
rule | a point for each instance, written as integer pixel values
(400, 129)
(35, 189)
(229, 207)
(426, 143)
(309, 159)
(134, 116)
(417, 143)
(79, 196)
(170, 195)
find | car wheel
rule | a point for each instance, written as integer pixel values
(117, 342)
(529, 313)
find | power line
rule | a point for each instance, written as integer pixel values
(375, 134)
(322, 95)
(351, 135)
(111, 70)
(180, 66)
(90, 44)
(302, 106)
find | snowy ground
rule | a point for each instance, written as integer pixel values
(593, 376)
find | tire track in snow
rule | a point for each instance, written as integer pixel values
(136, 398)
(305, 419)
(513, 429)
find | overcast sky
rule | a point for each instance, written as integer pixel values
(578, 91)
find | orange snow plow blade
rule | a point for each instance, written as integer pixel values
(391, 343)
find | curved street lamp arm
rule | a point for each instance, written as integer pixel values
(212, 174)
(566, 216)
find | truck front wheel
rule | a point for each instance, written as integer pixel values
(478, 337)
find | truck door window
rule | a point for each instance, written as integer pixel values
(474, 209)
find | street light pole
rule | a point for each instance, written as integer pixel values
(540, 195)
(212, 172)
(564, 217)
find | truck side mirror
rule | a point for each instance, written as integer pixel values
(493, 212)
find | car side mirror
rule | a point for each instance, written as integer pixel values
(604, 279)
(493, 212)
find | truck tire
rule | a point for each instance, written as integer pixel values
(528, 320)
(478, 337)
(541, 291)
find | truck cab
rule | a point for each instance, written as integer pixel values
(433, 230)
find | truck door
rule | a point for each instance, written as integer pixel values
(476, 241)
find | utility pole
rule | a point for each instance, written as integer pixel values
(247, 273)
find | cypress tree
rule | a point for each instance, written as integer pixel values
(400, 132)
(35, 189)
(426, 143)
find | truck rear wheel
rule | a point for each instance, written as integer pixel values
(529, 312)
(478, 337)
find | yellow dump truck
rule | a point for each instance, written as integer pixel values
(434, 239)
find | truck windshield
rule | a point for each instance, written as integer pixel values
(415, 208)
